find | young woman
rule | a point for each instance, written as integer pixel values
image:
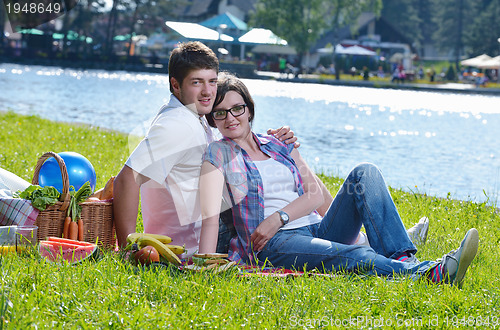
(274, 198)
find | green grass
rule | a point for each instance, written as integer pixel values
(113, 294)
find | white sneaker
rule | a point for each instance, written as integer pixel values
(362, 239)
(455, 264)
(418, 233)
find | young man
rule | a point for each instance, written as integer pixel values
(164, 168)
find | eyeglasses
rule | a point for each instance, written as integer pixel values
(235, 111)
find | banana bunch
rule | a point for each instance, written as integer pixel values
(159, 242)
(132, 238)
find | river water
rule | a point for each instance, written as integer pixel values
(431, 142)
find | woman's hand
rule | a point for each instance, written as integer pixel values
(265, 231)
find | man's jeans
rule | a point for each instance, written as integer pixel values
(226, 231)
(362, 200)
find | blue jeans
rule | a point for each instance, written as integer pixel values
(226, 231)
(362, 200)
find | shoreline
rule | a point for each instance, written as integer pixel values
(437, 87)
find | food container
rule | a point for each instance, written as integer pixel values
(7, 239)
(26, 235)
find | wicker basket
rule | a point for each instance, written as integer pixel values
(97, 217)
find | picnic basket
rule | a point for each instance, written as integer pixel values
(98, 225)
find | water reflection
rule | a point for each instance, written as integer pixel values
(438, 142)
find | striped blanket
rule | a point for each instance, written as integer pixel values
(17, 212)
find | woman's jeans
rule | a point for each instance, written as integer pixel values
(362, 200)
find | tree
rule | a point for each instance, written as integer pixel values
(341, 13)
(140, 8)
(85, 14)
(136, 16)
(481, 37)
(452, 18)
(345, 12)
(301, 22)
(2, 23)
(426, 24)
(413, 18)
(110, 30)
(69, 5)
(404, 16)
(459, 27)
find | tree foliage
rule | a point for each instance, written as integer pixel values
(341, 13)
(301, 22)
(404, 16)
(459, 27)
(298, 21)
(426, 25)
(81, 19)
(137, 16)
(452, 18)
(2, 22)
(484, 30)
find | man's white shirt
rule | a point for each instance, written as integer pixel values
(170, 155)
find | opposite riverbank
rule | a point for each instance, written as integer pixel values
(442, 87)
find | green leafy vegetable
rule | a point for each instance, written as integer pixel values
(40, 197)
(77, 197)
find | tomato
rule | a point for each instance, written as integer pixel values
(147, 255)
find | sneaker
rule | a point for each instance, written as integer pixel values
(454, 264)
(362, 239)
(418, 233)
(412, 259)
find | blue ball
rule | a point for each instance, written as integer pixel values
(79, 168)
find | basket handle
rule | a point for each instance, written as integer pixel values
(65, 196)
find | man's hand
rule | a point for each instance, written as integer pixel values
(284, 134)
(265, 231)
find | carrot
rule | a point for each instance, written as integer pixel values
(67, 221)
(80, 229)
(73, 230)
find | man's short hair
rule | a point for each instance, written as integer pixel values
(189, 56)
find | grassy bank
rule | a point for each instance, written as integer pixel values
(113, 294)
(387, 79)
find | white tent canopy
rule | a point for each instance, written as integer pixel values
(197, 31)
(492, 63)
(350, 50)
(262, 36)
(354, 50)
(266, 42)
(476, 61)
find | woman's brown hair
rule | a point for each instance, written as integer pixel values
(227, 82)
